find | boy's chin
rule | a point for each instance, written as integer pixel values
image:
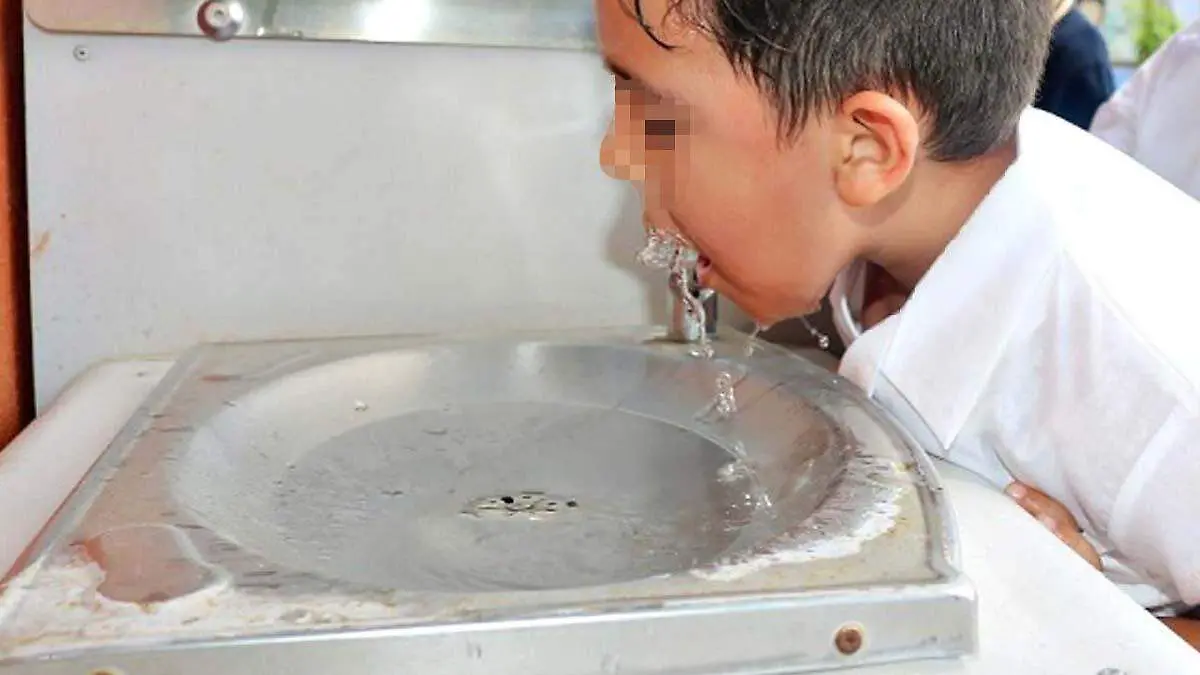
(766, 314)
(793, 311)
(765, 310)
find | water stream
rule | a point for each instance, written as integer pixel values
(669, 251)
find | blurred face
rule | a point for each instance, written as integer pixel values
(773, 220)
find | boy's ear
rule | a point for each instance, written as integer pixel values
(876, 142)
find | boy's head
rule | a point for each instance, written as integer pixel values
(782, 136)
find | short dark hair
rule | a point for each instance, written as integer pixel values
(972, 65)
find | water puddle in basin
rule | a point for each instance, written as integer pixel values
(521, 495)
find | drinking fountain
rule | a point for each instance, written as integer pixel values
(558, 503)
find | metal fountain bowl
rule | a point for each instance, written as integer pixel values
(554, 503)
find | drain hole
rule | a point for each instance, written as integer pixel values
(529, 504)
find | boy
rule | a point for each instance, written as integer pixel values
(1153, 118)
(1046, 335)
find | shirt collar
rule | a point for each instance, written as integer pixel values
(954, 327)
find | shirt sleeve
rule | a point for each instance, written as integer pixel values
(1152, 521)
(1083, 406)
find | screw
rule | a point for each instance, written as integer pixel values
(849, 639)
(222, 19)
(81, 53)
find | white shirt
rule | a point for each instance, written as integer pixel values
(1155, 116)
(1056, 341)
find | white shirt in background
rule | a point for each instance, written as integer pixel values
(1155, 116)
(1056, 341)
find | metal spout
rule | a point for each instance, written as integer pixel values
(684, 326)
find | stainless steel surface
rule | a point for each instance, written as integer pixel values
(768, 639)
(564, 24)
(685, 326)
(442, 506)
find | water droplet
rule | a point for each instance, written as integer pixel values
(821, 338)
(733, 471)
(752, 339)
(726, 401)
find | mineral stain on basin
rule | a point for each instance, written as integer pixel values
(564, 467)
(148, 564)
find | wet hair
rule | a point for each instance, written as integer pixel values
(971, 65)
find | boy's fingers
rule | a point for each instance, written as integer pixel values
(1084, 549)
(1056, 518)
(1052, 514)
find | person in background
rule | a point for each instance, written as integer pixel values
(1078, 76)
(1155, 117)
(1093, 10)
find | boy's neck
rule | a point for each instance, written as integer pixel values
(940, 200)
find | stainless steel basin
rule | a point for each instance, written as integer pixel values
(506, 465)
(451, 504)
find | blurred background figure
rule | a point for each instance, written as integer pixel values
(1078, 76)
(1093, 10)
(1155, 116)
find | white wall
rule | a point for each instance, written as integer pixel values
(184, 191)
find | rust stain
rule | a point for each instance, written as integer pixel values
(220, 377)
(39, 247)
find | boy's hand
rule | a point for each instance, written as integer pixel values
(1056, 518)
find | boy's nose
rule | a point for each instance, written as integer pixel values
(621, 157)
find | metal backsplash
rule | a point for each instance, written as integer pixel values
(561, 24)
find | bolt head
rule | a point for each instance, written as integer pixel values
(849, 639)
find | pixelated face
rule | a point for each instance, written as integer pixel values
(704, 146)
